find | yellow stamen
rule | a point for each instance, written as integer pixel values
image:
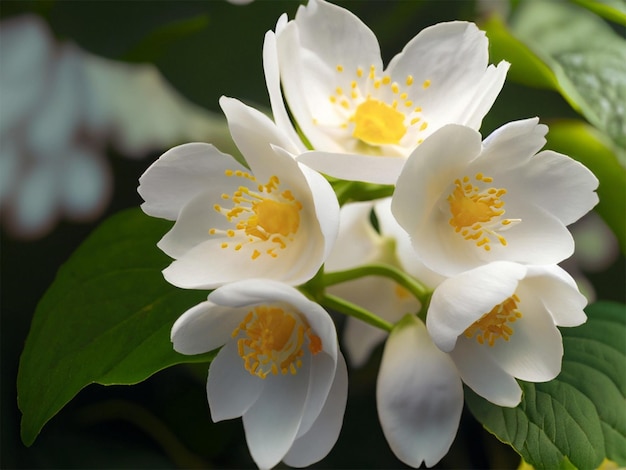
(495, 324)
(262, 215)
(476, 212)
(271, 340)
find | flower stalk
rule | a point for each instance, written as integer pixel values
(340, 305)
(415, 287)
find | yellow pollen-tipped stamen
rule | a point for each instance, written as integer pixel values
(263, 214)
(383, 123)
(477, 211)
(496, 323)
(271, 340)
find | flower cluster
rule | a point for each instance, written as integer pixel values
(371, 193)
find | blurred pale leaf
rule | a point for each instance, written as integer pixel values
(579, 418)
(105, 319)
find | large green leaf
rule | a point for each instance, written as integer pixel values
(579, 418)
(587, 57)
(105, 319)
(587, 145)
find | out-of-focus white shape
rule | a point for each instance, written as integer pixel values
(59, 109)
(26, 56)
(240, 2)
(142, 113)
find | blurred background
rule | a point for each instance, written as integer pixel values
(91, 93)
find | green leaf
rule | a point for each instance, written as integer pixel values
(588, 59)
(614, 10)
(587, 145)
(579, 418)
(105, 319)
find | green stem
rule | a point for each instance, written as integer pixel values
(348, 308)
(419, 290)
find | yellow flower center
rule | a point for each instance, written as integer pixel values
(260, 215)
(377, 123)
(476, 211)
(377, 109)
(495, 324)
(271, 340)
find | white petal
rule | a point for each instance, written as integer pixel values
(453, 58)
(321, 437)
(353, 167)
(512, 145)
(419, 396)
(194, 221)
(180, 174)
(487, 90)
(256, 291)
(272, 79)
(534, 350)
(540, 238)
(336, 35)
(231, 389)
(559, 184)
(456, 51)
(323, 368)
(310, 48)
(405, 253)
(272, 422)
(559, 294)
(357, 241)
(326, 212)
(429, 170)
(461, 300)
(208, 264)
(205, 327)
(253, 132)
(483, 375)
(297, 87)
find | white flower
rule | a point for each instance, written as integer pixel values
(359, 243)
(353, 110)
(419, 395)
(465, 204)
(279, 368)
(276, 220)
(499, 322)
